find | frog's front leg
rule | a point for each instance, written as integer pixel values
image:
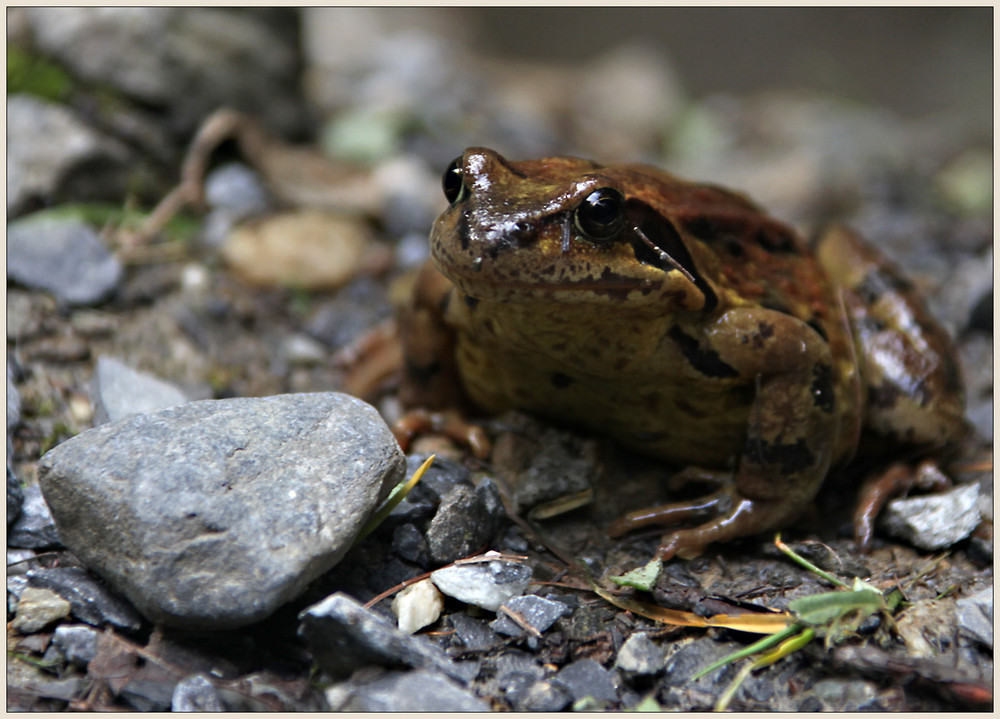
(790, 438)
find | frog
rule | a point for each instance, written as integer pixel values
(683, 322)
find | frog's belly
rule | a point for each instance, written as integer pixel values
(687, 421)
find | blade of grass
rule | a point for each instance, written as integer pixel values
(803, 562)
(396, 496)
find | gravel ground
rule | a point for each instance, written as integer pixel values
(243, 296)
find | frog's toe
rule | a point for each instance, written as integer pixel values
(451, 424)
(878, 489)
(674, 513)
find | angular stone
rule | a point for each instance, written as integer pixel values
(975, 616)
(415, 691)
(119, 391)
(34, 527)
(466, 520)
(538, 612)
(91, 600)
(934, 521)
(78, 642)
(345, 636)
(63, 256)
(417, 606)
(212, 514)
(484, 584)
(52, 152)
(37, 609)
(639, 656)
(195, 694)
(587, 678)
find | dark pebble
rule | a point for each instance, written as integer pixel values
(587, 678)
(91, 601)
(34, 528)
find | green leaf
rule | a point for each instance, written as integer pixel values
(643, 578)
(825, 608)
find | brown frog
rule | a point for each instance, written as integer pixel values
(680, 320)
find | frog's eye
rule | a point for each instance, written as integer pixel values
(453, 181)
(601, 215)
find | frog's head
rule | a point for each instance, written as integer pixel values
(562, 229)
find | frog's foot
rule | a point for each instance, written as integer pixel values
(732, 516)
(674, 513)
(449, 423)
(877, 490)
(371, 361)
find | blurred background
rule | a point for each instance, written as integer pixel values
(913, 60)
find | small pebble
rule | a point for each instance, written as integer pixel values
(417, 606)
(34, 527)
(195, 694)
(37, 609)
(63, 256)
(587, 678)
(119, 391)
(484, 584)
(78, 642)
(975, 616)
(934, 521)
(640, 656)
(537, 612)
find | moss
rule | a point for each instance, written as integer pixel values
(35, 75)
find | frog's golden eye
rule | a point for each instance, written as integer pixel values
(453, 181)
(601, 215)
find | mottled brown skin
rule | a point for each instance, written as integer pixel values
(701, 331)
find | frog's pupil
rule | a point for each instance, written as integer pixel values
(601, 215)
(452, 180)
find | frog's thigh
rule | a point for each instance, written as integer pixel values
(913, 379)
(793, 426)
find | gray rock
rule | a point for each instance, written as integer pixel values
(34, 527)
(189, 61)
(544, 695)
(119, 391)
(409, 543)
(516, 673)
(37, 608)
(13, 402)
(63, 256)
(484, 584)
(49, 152)
(147, 695)
(538, 612)
(15, 496)
(195, 694)
(15, 586)
(845, 695)
(237, 188)
(639, 656)
(78, 642)
(586, 678)
(975, 616)
(934, 521)
(19, 561)
(91, 601)
(466, 520)
(212, 514)
(344, 636)
(473, 633)
(414, 691)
